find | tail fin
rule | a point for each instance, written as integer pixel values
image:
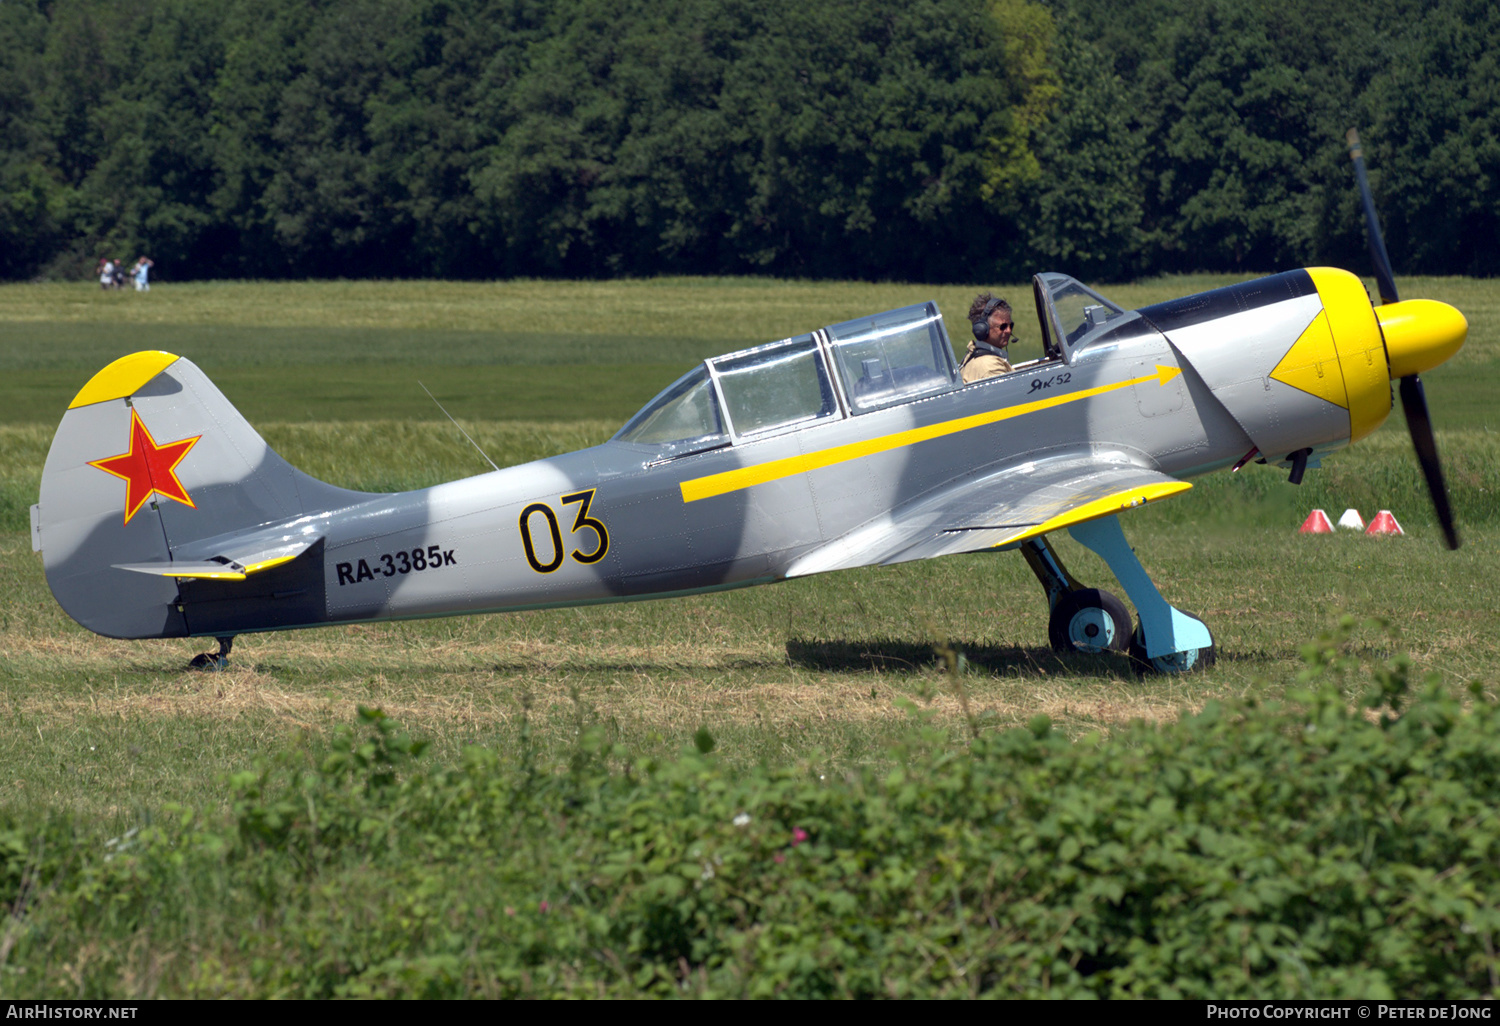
(150, 465)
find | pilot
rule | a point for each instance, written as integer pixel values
(988, 356)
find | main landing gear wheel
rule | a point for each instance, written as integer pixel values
(213, 661)
(1173, 662)
(1089, 620)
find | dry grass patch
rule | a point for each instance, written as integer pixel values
(664, 698)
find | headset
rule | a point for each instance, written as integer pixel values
(982, 325)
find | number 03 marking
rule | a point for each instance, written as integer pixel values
(553, 532)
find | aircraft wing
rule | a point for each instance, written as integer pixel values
(999, 508)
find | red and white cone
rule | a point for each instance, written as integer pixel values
(1384, 523)
(1316, 523)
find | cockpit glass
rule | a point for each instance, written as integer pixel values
(892, 357)
(683, 418)
(775, 386)
(1079, 310)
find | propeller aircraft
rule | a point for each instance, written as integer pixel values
(164, 514)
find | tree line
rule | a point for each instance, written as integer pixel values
(939, 140)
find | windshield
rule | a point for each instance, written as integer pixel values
(683, 418)
(1077, 310)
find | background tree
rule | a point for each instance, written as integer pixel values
(1435, 129)
(936, 139)
(1085, 208)
(32, 196)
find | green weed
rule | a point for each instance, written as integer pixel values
(798, 683)
(1290, 849)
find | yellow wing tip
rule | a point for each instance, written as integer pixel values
(124, 377)
(1128, 499)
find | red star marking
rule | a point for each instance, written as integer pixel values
(148, 467)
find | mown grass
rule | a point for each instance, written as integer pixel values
(812, 666)
(810, 669)
(804, 681)
(525, 350)
(736, 309)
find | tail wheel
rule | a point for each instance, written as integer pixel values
(1185, 661)
(1089, 620)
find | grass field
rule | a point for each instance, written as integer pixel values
(808, 670)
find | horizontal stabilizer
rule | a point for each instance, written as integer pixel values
(252, 559)
(182, 568)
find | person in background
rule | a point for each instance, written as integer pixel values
(140, 272)
(106, 272)
(989, 353)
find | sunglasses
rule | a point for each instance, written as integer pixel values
(1006, 326)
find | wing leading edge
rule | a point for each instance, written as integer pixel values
(1000, 508)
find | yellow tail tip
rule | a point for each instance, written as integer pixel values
(1420, 334)
(124, 377)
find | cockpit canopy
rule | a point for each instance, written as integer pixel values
(840, 371)
(1074, 316)
(683, 418)
(849, 369)
(892, 357)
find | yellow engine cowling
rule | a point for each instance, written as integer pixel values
(1352, 351)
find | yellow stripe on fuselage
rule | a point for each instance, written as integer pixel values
(774, 470)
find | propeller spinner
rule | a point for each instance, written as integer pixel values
(1419, 334)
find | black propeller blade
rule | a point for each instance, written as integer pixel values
(1413, 398)
(1385, 278)
(1414, 404)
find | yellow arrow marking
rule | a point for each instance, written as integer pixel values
(775, 470)
(1312, 364)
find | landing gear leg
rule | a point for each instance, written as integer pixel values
(1167, 640)
(1083, 619)
(214, 660)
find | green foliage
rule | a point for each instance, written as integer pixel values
(1085, 213)
(1309, 848)
(476, 138)
(835, 139)
(1236, 115)
(1438, 120)
(939, 140)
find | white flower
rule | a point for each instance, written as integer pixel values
(743, 819)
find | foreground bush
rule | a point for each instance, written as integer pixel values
(1305, 849)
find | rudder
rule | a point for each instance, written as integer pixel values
(150, 462)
